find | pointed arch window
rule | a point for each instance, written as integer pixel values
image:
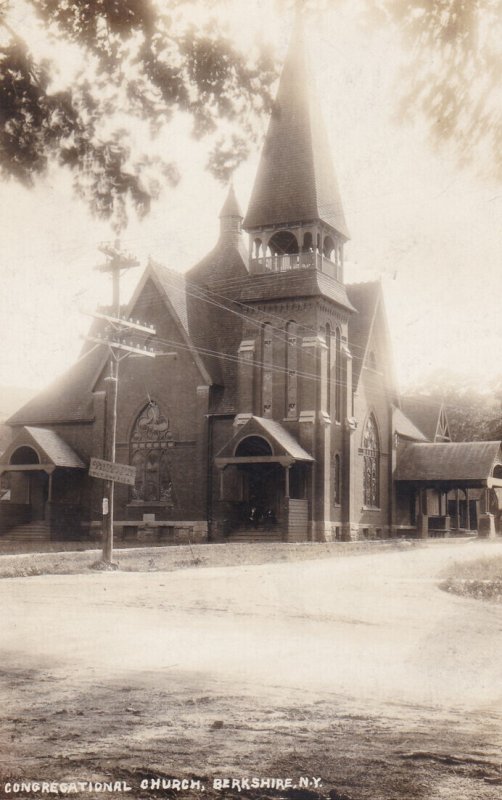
(338, 375)
(292, 370)
(150, 440)
(371, 456)
(337, 481)
(328, 369)
(267, 369)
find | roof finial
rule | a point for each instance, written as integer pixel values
(231, 206)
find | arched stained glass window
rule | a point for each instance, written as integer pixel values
(371, 455)
(150, 440)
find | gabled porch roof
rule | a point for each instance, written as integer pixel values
(462, 463)
(51, 449)
(284, 448)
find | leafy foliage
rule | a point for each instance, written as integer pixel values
(473, 415)
(144, 61)
(139, 63)
(452, 77)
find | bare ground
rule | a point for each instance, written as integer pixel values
(358, 672)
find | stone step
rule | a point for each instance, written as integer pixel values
(256, 536)
(30, 532)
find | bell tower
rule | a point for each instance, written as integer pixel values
(295, 218)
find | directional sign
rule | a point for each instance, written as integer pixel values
(108, 471)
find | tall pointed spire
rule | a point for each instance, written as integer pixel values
(296, 181)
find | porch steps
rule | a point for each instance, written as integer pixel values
(255, 536)
(30, 532)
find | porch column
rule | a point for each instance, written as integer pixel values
(423, 518)
(286, 482)
(49, 491)
(468, 514)
(457, 501)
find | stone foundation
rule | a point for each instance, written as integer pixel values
(155, 532)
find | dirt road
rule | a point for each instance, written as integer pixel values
(357, 672)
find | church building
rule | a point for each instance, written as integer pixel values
(272, 412)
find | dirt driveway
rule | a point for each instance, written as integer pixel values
(355, 674)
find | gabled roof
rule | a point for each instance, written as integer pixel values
(69, 398)
(50, 447)
(450, 461)
(283, 438)
(425, 413)
(58, 452)
(364, 297)
(296, 181)
(369, 301)
(404, 427)
(187, 310)
(284, 446)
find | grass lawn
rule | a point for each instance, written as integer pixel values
(481, 579)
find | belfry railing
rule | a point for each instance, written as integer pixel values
(295, 261)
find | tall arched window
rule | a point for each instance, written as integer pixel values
(150, 439)
(328, 368)
(337, 481)
(371, 455)
(338, 376)
(267, 374)
(292, 370)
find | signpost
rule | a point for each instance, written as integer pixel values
(110, 471)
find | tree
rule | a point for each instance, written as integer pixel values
(453, 73)
(137, 61)
(474, 414)
(145, 60)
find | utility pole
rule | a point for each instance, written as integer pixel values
(113, 336)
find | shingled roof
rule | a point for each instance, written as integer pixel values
(450, 461)
(282, 442)
(364, 297)
(424, 411)
(296, 181)
(69, 398)
(404, 427)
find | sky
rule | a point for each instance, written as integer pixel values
(428, 229)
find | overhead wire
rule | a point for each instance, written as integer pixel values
(206, 295)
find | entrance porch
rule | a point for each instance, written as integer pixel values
(263, 482)
(41, 479)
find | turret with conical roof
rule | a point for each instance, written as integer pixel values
(228, 259)
(295, 214)
(231, 219)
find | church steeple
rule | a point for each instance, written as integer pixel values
(295, 197)
(231, 218)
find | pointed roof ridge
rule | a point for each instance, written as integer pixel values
(231, 207)
(296, 181)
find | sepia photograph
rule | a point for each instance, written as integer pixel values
(251, 399)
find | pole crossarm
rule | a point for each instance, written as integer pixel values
(129, 348)
(123, 322)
